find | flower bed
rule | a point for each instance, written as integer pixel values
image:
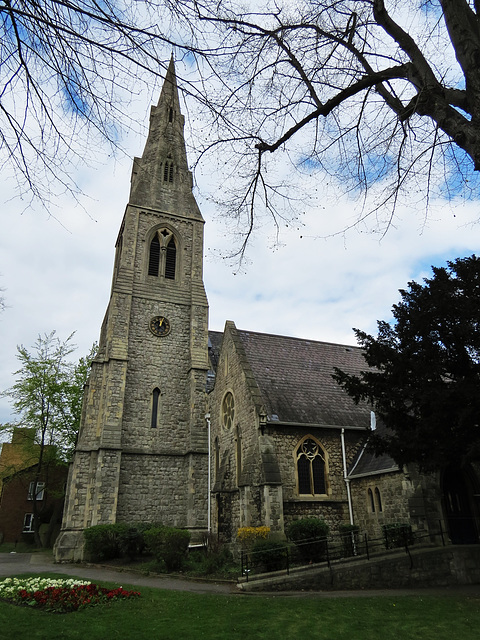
(60, 596)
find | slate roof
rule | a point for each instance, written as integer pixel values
(366, 463)
(294, 377)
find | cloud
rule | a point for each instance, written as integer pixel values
(57, 275)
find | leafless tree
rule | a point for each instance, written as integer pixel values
(67, 70)
(383, 96)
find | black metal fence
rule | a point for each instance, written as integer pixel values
(335, 547)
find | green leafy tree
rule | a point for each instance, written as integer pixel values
(424, 376)
(47, 397)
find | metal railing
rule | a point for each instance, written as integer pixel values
(336, 547)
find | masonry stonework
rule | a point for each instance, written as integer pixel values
(136, 461)
(149, 406)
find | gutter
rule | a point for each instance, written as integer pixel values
(209, 481)
(345, 477)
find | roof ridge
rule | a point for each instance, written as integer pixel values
(277, 335)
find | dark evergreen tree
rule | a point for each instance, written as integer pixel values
(423, 379)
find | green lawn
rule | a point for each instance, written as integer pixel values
(170, 615)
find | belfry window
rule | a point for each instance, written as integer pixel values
(170, 259)
(154, 257)
(168, 171)
(311, 475)
(162, 257)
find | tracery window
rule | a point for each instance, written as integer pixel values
(311, 475)
(228, 410)
(162, 256)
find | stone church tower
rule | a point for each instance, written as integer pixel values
(142, 448)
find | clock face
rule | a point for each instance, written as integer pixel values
(159, 326)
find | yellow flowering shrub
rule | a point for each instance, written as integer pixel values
(249, 535)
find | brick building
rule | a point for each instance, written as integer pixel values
(22, 485)
(167, 400)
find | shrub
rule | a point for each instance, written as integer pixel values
(131, 542)
(102, 540)
(249, 535)
(397, 535)
(168, 545)
(217, 560)
(309, 534)
(271, 555)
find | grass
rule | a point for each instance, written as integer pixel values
(172, 615)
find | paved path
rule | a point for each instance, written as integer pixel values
(17, 563)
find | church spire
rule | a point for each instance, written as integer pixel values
(169, 94)
(162, 171)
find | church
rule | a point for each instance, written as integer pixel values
(213, 431)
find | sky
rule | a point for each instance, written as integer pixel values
(56, 270)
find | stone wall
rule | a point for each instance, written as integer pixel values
(236, 445)
(405, 497)
(333, 507)
(433, 567)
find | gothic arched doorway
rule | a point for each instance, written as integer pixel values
(460, 508)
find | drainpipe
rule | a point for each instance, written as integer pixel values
(209, 482)
(347, 480)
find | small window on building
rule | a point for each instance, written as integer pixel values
(378, 499)
(371, 501)
(28, 523)
(228, 410)
(38, 493)
(155, 404)
(311, 474)
(170, 114)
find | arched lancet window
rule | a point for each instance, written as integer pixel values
(217, 457)
(371, 500)
(171, 259)
(378, 499)
(155, 407)
(238, 452)
(154, 257)
(170, 114)
(311, 473)
(162, 257)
